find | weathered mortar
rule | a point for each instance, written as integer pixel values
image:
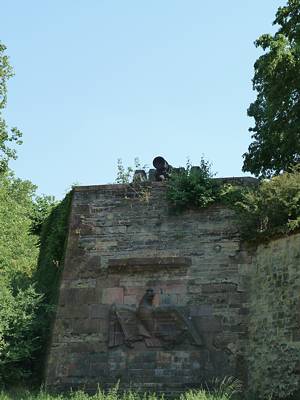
(122, 241)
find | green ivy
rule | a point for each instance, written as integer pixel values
(273, 351)
(50, 265)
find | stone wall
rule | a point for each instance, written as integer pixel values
(122, 241)
(274, 324)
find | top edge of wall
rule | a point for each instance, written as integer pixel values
(241, 180)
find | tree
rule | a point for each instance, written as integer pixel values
(18, 248)
(276, 110)
(12, 136)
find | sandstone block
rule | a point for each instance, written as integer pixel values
(113, 295)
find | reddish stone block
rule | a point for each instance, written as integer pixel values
(130, 300)
(113, 295)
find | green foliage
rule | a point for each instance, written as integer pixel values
(41, 208)
(25, 309)
(18, 249)
(18, 258)
(224, 389)
(225, 392)
(263, 211)
(273, 353)
(276, 110)
(24, 306)
(47, 275)
(271, 209)
(52, 248)
(14, 136)
(125, 175)
(192, 187)
(18, 321)
(275, 375)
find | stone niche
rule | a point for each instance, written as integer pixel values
(152, 300)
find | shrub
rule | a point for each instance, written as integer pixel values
(192, 187)
(18, 320)
(18, 248)
(267, 210)
(271, 209)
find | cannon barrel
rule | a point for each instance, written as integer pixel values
(160, 163)
(162, 168)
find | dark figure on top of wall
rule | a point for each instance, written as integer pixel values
(163, 326)
(162, 168)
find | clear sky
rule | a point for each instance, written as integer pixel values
(98, 80)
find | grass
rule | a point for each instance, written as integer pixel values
(223, 390)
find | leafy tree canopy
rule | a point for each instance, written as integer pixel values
(18, 249)
(12, 136)
(276, 110)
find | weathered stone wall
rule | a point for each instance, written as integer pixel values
(274, 322)
(123, 241)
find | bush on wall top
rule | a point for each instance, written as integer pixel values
(270, 209)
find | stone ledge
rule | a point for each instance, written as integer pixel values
(115, 186)
(238, 180)
(140, 264)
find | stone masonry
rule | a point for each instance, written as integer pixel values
(122, 241)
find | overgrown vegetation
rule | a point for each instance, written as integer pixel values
(28, 283)
(32, 236)
(224, 390)
(19, 297)
(270, 209)
(136, 187)
(47, 275)
(18, 327)
(33, 230)
(53, 238)
(273, 351)
(276, 110)
(125, 174)
(8, 137)
(192, 187)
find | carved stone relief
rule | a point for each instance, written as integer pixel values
(162, 326)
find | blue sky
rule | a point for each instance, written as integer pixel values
(98, 80)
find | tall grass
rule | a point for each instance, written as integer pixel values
(223, 390)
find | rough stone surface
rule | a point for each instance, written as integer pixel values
(273, 352)
(122, 242)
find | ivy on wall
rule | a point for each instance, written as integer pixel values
(50, 265)
(274, 330)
